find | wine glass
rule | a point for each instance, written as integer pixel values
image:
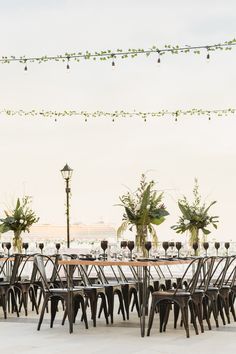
(58, 246)
(25, 245)
(217, 246)
(195, 247)
(171, 245)
(41, 247)
(165, 245)
(148, 246)
(206, 246)
(123, 244)
(130, 247)
(8, 247)
(104, 245)
(227, 245)
(178, 246)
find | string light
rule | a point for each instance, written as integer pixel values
(25, 68)
(196, 112)
(123, 54)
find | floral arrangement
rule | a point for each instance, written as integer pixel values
(143, 209)
(18, 220)
(195, 216)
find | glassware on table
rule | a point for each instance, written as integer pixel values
(205, 246)
(217, 246)
(172, 245)
(8, 247)
(41, 246)
(58, 246)
(178, 246)
(104, 245)
(148, 246)
(25, 246)
(195, 247)
(123, 244)
(227, 245)
(165, 245)
(131, 247)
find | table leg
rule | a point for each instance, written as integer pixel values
(143, 298)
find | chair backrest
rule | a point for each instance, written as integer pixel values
(219, 271)
(191, 276)
(41, 262)
(10, 267)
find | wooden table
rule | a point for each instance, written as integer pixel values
(141, 265)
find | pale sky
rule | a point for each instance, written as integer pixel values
(108, 156)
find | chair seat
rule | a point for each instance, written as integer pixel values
(171, 293)
(61, 290)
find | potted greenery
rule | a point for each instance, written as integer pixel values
(143, 210)
(18, 220)
(195, 217)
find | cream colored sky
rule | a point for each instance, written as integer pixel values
(106, 156)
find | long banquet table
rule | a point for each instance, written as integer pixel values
(142, 266)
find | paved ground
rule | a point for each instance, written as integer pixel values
(19, 335)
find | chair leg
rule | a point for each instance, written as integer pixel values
(176, 314)
(166, 316)
(83, 307)
(54, 306)
(42, 311)
(206, 312)
(121, 305)
(151, 316)
(193, 316)
(184, 312)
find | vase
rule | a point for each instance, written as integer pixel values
(17, 242)
(141, 238)
(194, 239)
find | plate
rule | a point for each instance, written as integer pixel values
(87, 258)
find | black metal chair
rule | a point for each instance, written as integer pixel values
(179, 296)
(71, 297)
(8, 273)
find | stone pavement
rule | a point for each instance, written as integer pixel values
(19, 335)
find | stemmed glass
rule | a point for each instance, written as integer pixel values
(123, 245)
(227, 245)
(8, 247)
(172, 245)
(195, 247)
(217, 246)
(104, 245)
(165, 245)
(41, 247)
(206, 246)
(58, 246)
(130, 247)
(25, 245)
(178, 246)
(148, 246)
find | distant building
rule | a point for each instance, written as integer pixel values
(78, 232)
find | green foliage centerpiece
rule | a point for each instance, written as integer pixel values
(18, 220)
(195, 217)
(143, 209)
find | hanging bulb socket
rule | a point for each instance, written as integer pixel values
(208, 56)
(113, 64)
(68, 65)
(159, 60)
(25, 68)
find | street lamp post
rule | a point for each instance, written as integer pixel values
(66, 174)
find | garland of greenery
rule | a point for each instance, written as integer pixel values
(120, 53)
(119, 114)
